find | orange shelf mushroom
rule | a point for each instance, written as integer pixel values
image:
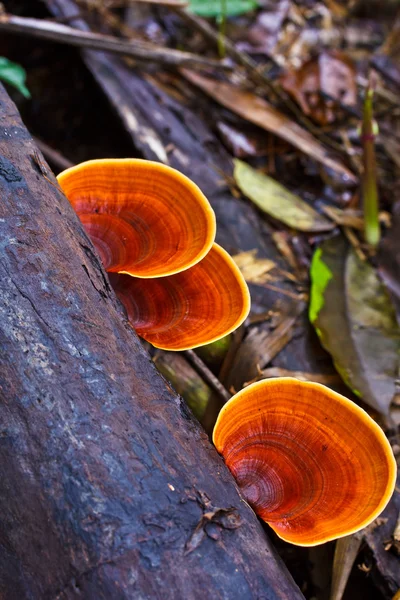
(154, 231)
(310, 462)
(142, 216)
(189, 309)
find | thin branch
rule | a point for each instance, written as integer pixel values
(127, 3)
(54, 156)
(64, 34)
(207, 375)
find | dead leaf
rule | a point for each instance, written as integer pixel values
(242, 143)
(254, 270)
(396, 532)
(356, 323)
(322, 84)
(261, 345)
(275, 200)
(389, 259)
(345, 218)
(213, 520)
(325, 379)
(258, 111)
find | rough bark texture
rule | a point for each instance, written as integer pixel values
(105, 476)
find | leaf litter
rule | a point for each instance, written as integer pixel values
(355, 320)
(277, 201)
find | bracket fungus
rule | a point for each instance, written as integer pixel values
(143, 217)
(310, 462)
(189, 309)
(154, 231)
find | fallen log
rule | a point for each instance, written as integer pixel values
(109, 489)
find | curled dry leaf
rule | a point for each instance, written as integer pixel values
(253, 269)
(356, 323)
(322, 84)
(275, 200)
(256, 110)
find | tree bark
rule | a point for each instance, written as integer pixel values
(109, 489)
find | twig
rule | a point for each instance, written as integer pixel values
(237, 339)
(279, 290)
(354, 241)
(216, 402)
(207, 375)
(53, 156)
(64, 34)
(355, 160)
(345, 218)
(127, 3)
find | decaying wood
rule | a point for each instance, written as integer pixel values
(108, 487)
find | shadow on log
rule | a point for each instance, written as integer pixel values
(108, 488)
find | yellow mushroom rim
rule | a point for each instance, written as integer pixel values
(145, 218)
(310, 462)
(188, 309)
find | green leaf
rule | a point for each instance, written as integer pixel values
(275, 200)
(14, 75)
(356, 322)
(320, 276)
(218, 8)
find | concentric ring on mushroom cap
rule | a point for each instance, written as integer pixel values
(143, 217)
(310, 462)
(189, 309)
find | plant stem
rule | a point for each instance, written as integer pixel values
(372, 232)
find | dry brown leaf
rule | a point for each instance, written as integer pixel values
(254, 270)
(321, 84)
(261, 113)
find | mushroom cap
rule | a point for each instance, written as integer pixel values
(188, 309)
(142, 216)
(310, 462)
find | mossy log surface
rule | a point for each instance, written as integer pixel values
(109, 489)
